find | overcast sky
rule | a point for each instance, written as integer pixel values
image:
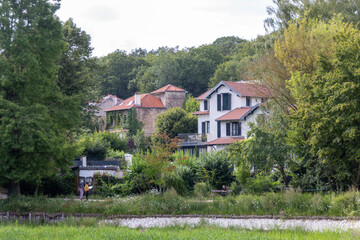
(149, 24)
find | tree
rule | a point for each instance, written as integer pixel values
(35, 118)
(191, 105)
(324, 84)
(159, 165)
(286, 11)
(175, 121)
(267, 147)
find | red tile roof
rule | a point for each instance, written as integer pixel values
(147, 101)
(235, 114)
(224, 141)
(169, 88)
(201, 113)
(250, 89)
(202, 96)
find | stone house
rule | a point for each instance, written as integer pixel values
(147, 107)
(103, 104)
(226, 111)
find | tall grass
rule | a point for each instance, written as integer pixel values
(290, 203)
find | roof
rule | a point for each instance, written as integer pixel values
(169, 88)
(202, 96)
(201, 113)
(224, 141)
(238, 113)
(147, 101)
(250, 89)
(241, 88)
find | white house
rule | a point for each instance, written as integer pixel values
(226, 111)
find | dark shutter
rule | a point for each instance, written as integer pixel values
(227, 129)
(208, 126)
(203, 128)
(229, 107)
(219, 102)
(239, 130)
(205, 105)
(218, 129)
(247, 101)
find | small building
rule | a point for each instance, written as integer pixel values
(87, 168)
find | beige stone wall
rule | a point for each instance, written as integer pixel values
(148, 117)
(172, 99)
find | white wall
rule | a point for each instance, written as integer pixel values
(214, 113)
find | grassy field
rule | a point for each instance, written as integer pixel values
(287, 204)
(53, 232)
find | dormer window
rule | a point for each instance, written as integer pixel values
(205, 105)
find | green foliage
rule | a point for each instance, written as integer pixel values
(141, 142)
(106, 185)
(36, 120)
(100, 145)
(287, 11)
(175, 121)
(159, 165)
(132, 123)
(216, 169)
(191, 105)
(324, 83)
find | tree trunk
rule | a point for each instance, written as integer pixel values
(13, 189)
(283, 175)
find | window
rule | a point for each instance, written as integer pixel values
(203, 127)
(218, 129)
(227, 129)
(205, 105)
(236, 129)
(224, 101)
(208, 127)
(248, 101)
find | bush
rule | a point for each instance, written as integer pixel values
(216, 169)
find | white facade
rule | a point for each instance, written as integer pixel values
(249, 103)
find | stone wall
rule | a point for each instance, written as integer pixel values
(148, 117)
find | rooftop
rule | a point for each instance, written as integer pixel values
(169, 88)
(224, 141)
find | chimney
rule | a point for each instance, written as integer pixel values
(137, 99)
(83, 159)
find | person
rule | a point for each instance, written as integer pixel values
(224, 191)
(87, 190)
(81, 189)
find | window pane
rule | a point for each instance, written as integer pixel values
(225, 101)
(205, 105)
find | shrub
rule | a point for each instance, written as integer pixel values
(216, 169)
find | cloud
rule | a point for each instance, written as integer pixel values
(102, 13)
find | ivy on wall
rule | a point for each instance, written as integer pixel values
(124, 119)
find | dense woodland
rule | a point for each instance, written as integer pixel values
(309, 59)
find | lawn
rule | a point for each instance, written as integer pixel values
(15, 231)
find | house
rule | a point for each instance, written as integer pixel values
(147, 107)
(103, 104)
(226, 111)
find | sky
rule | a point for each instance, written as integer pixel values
(150, 24)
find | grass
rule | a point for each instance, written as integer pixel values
(68, 231)
(290, 203)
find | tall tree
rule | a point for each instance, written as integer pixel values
(35, 118)
(325, 85)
